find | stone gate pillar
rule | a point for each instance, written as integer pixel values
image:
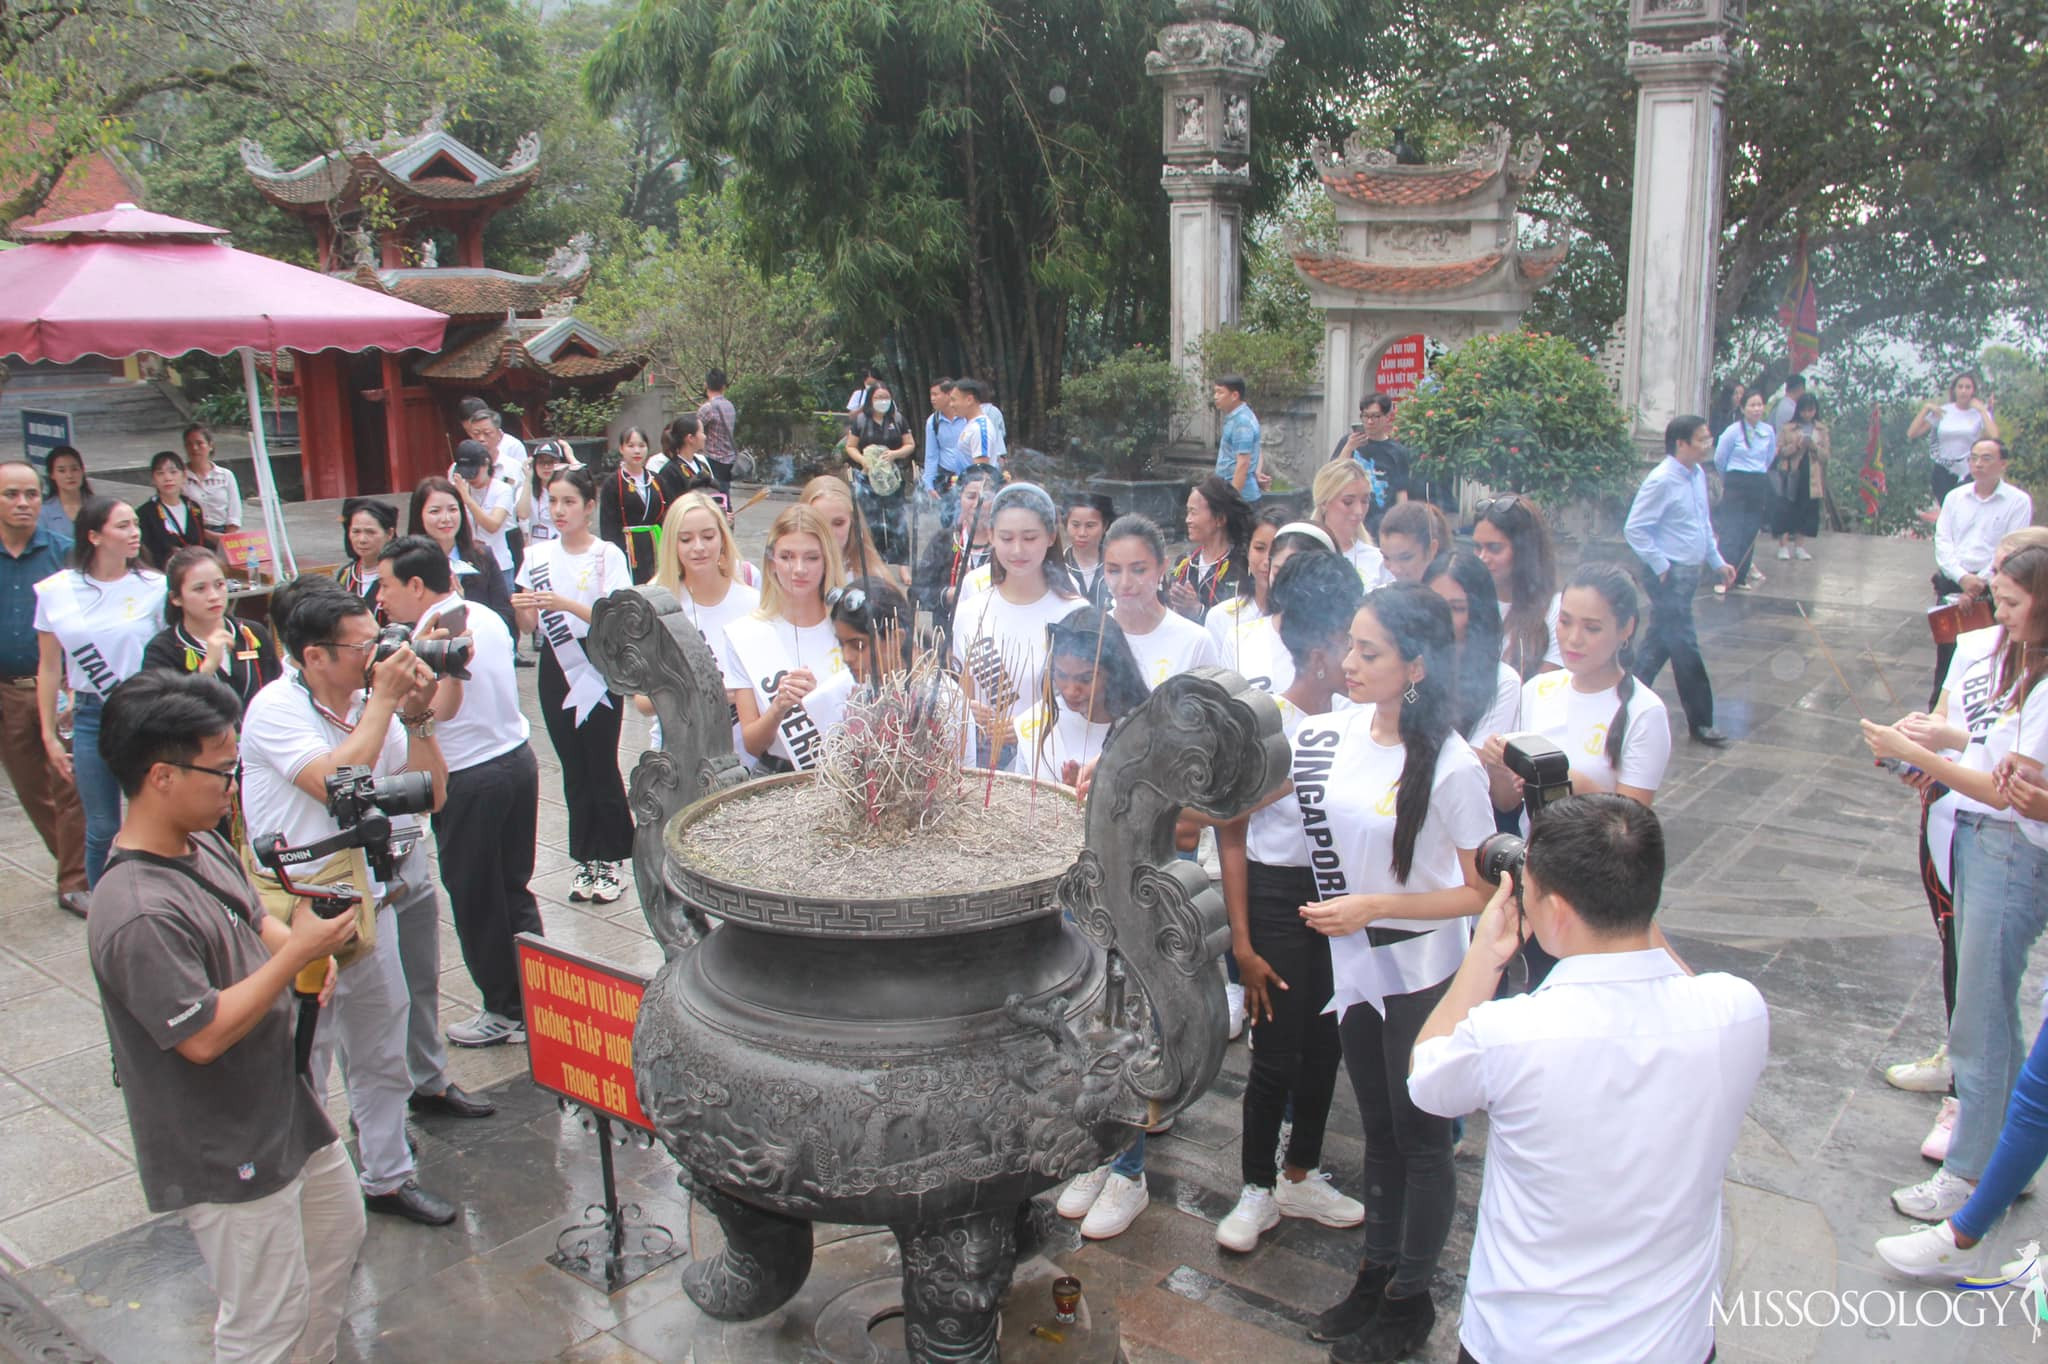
(1206, 67)
(1678, 53)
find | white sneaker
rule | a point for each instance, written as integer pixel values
(1255, 1214)
(605, 887)
(1317, 1198)
(1079, 1195)
(1935, 1198)
(1116, 1207)
(585, 883)
(1784, 551)
(1234, 995)
(1935, 1148)
(1928, 1075)
(1931, 1253)
(1799, 552)
(488, 1030)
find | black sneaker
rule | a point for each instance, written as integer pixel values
(1398, 1331)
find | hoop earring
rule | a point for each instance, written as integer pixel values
(1411, 696)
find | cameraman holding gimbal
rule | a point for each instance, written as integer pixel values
(299, 732)
(1614, 1093)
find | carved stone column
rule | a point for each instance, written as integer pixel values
(1679, 55)
(1206, 67)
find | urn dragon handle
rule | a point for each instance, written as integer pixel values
(644, 643)
(1204, 740)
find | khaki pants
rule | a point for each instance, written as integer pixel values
(280, 1264)
(50, 800)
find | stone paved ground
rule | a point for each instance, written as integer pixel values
(1791, 864)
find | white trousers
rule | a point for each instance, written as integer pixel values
(364, 1026)
(280, 1264)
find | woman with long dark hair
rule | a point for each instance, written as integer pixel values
(1164, 642)
(2001, 879)
(1402, 799)
(1283, 964)
(999, 639)
(1235, 624)
(1799, 479)
(1512, 540)
(561, 580)
(439, 513)
(1091, 682)
(1087, 518)
(93, 623)
(632, 500)
(1487, 695)
(1951, 427)
(202, 637)
(1614, 732)
(170, 521)
(1219, 523)
(69, 487)
(1413, 535)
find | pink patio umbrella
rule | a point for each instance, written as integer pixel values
(127, 280)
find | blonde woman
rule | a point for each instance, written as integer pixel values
(1342, 496)
(785, 674)
(831, 497)
(702, 568)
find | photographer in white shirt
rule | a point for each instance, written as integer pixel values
(1614, 1094)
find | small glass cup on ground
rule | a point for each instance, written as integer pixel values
(1066, 1297)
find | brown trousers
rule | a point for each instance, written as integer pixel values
(50, 800)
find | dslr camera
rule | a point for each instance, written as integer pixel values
(362, 805)
(1546, 777)
(446, 657)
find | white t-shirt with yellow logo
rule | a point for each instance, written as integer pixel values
(101, 627)
(1173, 646)
(1577, 722)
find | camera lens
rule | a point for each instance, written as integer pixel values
(1501, 854)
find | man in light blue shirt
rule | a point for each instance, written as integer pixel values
(943, 461)
(980, 439)
(1237, 452)
(1744, 456)
(1672, 531)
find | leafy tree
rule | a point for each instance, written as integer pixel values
(1906, 137)
(977, 178)
(75, 75)
(1122, 411)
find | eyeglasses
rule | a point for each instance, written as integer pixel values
(337, 645)
(229, 776)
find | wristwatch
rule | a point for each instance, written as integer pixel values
(422, 725)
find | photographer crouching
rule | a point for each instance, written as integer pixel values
(358, 706)
(195, 982)
(488, 827)
(1615, 1091)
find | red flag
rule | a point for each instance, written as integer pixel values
(1799, 310)
(1871, 477)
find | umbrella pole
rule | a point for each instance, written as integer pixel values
(273, 509)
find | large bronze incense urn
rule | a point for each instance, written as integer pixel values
(925, 1063)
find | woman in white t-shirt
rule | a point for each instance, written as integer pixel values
(1413, 535)
(1342, 495)
(1487, 693)
(1164, 642)
(1955, 426)
(1514, 543)
(2001, 880)
(831, 497)
(999, 639)
(1238, 622)
(702, 568)
(1962, 711)
(93, 622)
(1091, 682)
(1614, 732)
(1394, 805)
(559, 582)
(783, 669)
(1282, 963)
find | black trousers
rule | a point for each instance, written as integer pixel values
(1673, 636)
(600, 821)
(1296, 1052)
(1411, 1186)
(1744, 499)
(486, 832)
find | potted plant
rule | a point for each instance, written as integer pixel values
(1119, 418)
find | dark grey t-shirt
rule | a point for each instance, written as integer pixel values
(163, 949)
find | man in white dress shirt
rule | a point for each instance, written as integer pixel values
(1974, 518)
(1614, 1093)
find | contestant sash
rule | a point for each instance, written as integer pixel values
(587, 688)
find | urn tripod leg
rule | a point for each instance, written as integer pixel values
(954, 1276)
(765, 1260)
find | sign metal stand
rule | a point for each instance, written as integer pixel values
(595, 1250)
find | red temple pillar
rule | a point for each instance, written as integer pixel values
(327, 438)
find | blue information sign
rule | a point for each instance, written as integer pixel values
(42, 432)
